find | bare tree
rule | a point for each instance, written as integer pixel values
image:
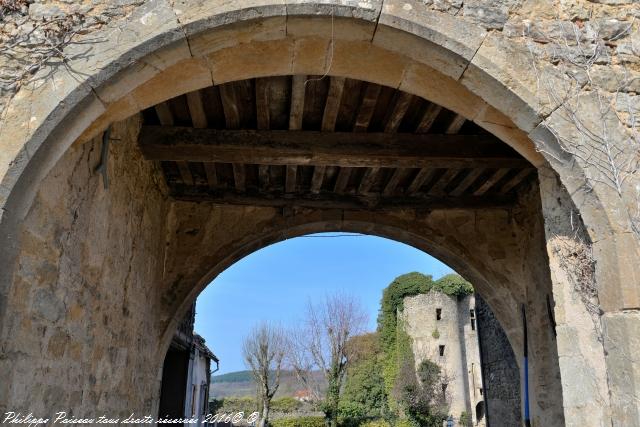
(263, 351)
(322, 345)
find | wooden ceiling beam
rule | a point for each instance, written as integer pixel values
(332, 106)
(166, 119)
(347, 202)
(342, 180)
(491, 181)
(317, 178)
(367, 107)
(428, 118)
(424, 174)
(344, 149)
(368, 179)
(455, 124)
(296, 111)
(403, 100)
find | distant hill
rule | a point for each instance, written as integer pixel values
(232, 377)
(241, 384)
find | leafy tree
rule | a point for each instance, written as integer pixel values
(364, 395)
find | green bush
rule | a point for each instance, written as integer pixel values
(435, 334)
(298, 422)
(375, 423)
(465, 419)
(233, 404)
(285, 405)
(403, 422)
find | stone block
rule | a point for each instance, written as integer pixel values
(242, 33)
(374, 64)
(622, 343)
(437, 39)
(99, 55)
(186, 76)
(440, 89)
(508, 77)
(259, 59)
(199, 16)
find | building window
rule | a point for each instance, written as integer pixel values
(438, 314)
(441, 349)
(444, 390)
(472, 313)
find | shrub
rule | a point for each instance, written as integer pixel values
(375, 423)
(403, 422)
(298, 422)
(233, 404)
(435, 334)
(285, 405)
(465, 419)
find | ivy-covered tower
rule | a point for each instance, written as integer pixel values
(443, 329)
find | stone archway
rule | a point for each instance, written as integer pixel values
(403, 45)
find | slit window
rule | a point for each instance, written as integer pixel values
(444, 390)
(438, 314)
(472, 313)
(441, 350)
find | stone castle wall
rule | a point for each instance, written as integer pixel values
(500, 370)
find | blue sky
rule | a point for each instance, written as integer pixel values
(276, 283)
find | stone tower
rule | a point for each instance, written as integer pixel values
(443, 329)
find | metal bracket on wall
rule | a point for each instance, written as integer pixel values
(551, 317)
(104, 158)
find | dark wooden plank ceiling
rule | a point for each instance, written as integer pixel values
(327, 143)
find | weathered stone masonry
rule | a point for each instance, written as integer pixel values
(92, 281)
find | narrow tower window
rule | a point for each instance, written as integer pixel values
(438, 314)
(472, 313)
(441, 348)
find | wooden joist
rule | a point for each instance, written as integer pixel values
(368, 179)
(341, 201)
(428, 118)
(239, 177)
(455, 124)
(166, 119)
(291, 178)
(393, 182)
(332, 105)
(424, 174)
(467, 181)
(297, 102)
(344, 149)
(438, 188)
(342, 180)
(399, 110)
(367, 107)
(491, 181)
(262, 103)
(317, 178)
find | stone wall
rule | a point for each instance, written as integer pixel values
(499, 369)
(510, 66)
(81, 332)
